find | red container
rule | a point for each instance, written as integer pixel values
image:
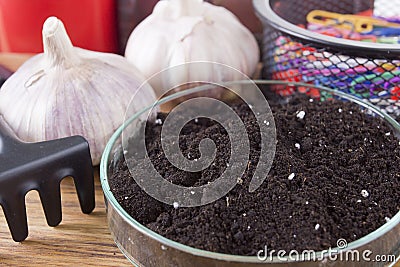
(91, 24)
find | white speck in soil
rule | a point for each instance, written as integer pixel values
(227, 165)
(340, 110)
(387, 134)
(195, 160)
(317, 226)
(125, 152)
(359, 201)
(297, 145)
(311, 100)
(350, 112)
(227, 201)
(244, 214)
(290, 216)
(364, 193)
(294, 236)
(158, 121)
(239, 180)
(196, 120)
(291, 176)
(301, 114)
(306, 202)
(126, 198)
(192, 192)
(163, 247)
(248, 227)
(176, 205)
(387, 219)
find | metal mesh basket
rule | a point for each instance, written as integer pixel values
(368, 70)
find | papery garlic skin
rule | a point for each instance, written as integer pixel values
(182, 31)
(68, 91)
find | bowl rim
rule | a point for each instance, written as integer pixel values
(265, 12)
(389, 225)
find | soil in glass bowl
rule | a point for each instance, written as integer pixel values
(335, 175)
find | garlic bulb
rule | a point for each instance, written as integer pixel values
(69, 91)
(182, 31)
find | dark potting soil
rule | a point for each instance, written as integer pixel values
(344, 166)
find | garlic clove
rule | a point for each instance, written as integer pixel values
(69, 91)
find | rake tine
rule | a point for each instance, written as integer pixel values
(50, 196)
(15, 213)
(85, 190)
(79, 159)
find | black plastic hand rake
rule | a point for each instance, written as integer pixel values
(42, 166)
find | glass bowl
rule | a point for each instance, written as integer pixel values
(144, 247)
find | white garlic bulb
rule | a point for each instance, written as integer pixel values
(182, 31)
(69, 91)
